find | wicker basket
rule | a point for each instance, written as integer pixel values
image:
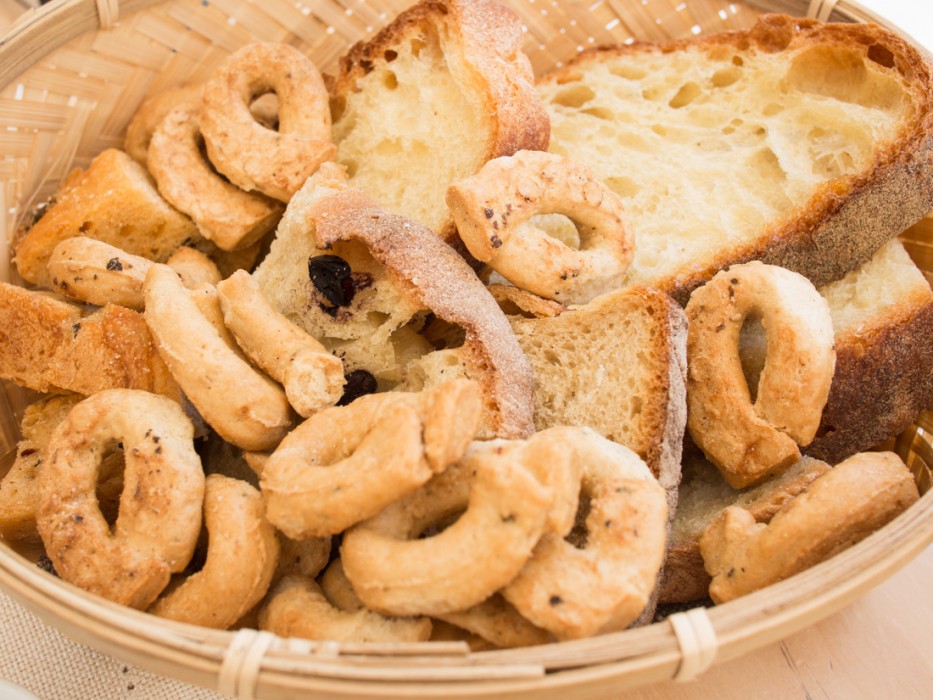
(71, 75)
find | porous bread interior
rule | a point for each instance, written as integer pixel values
(400, 153)
(867, 295)
(704, 493)
(709, 145)
(604, 366)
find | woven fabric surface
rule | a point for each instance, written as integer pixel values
(53, 667)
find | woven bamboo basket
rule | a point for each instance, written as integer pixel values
(72, 74)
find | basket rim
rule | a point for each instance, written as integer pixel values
(741, 625)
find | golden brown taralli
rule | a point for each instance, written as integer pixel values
(842, 507)
(242, 554)
(160, 510)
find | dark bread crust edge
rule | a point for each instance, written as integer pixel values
(848, 218)
(883, 381)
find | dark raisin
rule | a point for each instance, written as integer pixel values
(114, 264)
(332, 277)
(359, 383)
(44, 563)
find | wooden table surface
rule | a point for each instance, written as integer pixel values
(879, 647)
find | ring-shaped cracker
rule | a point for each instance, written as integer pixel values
(604, 585)
(98, 273)
(253, 157)
(150, 114)
(160, 507)
(505, 510)
(492, 210)
(840, 508)
(244, 406)
(223, 213)
(312, 377)
(345, 464)
(297, 607)
(242, 553)
(499, 623)
(748, 442)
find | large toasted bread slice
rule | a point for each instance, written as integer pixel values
(803, 144)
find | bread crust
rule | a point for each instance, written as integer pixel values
(882, 383)
(847, 218)
(437, 278)
(483, 41)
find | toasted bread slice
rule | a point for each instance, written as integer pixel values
(429, 99)
(48, 345)
(115, 201)
(883, 322)
(703, 495)
(803, 144)
(618, 366)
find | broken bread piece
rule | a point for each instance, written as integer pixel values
(50, 345)
(618, 366)
(430, 273)
(804, 144)
(428, 100)
(341, 295)
(115, 201)
(838, 510)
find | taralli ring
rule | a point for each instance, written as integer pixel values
(499, 623)
(98, 273)
(602, 586)
(347, 463)
(492, 209)
(397, 570)
(839, 509)
(312, 377)
(150, 114)
(253, 157)
(224, 213)
(297, 607)
(748, 442)
(244, 406)
(242, 553)
(160, 508)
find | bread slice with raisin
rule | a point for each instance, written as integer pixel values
(428, 100)
(803, 144)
